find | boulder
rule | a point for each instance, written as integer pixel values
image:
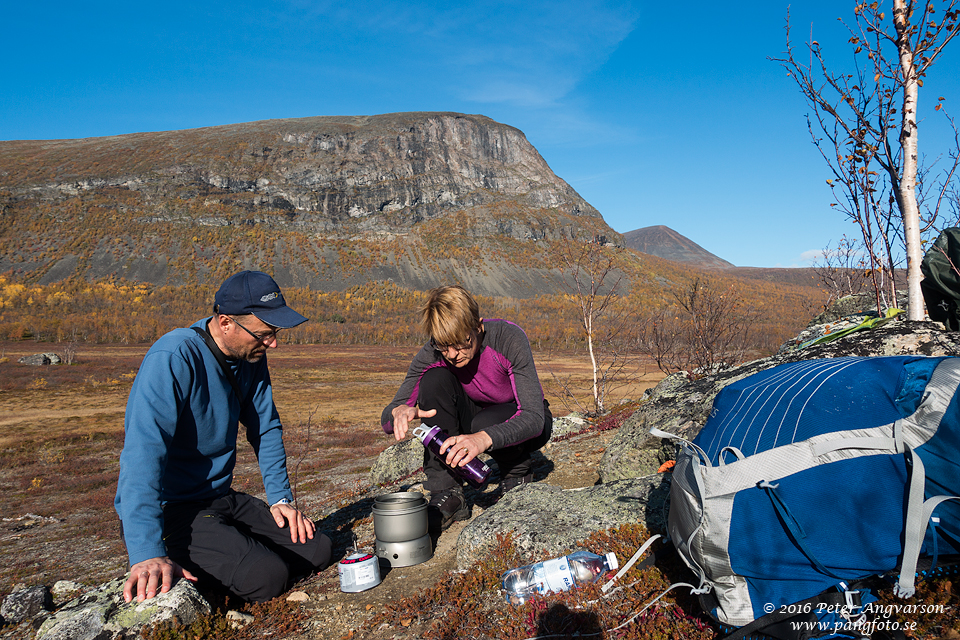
(24, 604)
(681, 405)
(39, 359)
(102, 614)
(565, 425)
(65, 589)
(397, 461)
(545, 519)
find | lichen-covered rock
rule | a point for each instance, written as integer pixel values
(40, 359)
(65, 589)
(681, 406)
(24, 604)
(545, 519)
(102, 614)
(397, 461)
(565, 425)
(861, 305)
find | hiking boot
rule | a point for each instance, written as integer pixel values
(511, 483)
(447, 507)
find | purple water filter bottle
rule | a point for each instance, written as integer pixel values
(475, 472)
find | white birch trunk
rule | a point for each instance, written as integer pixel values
(909, 209)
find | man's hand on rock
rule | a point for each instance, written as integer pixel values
(147, 575)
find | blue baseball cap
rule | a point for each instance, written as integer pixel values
(257, 293)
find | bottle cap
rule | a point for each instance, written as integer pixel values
(612, 561)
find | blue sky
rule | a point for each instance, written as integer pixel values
(654, 114)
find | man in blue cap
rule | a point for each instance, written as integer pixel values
(178, 514)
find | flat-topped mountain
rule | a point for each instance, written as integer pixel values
(664, 242)
(384, 173)
(324, 202)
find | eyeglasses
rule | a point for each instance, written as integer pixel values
(443, 348)
(263, 338)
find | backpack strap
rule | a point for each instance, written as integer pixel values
(939, 393)
(913, 537)
(793, 526)
(831, 600)
(222, 359)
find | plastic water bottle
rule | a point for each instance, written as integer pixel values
(523, 583)
(475, 472)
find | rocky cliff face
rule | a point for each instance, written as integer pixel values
(385, 172)
(98, 206)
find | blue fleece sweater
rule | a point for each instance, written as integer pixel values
(180, 441)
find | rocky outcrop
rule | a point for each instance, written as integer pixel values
(397, 461)
(101, 614)
(680, 405)
(40, 359)
(25, 604)
(545, 519)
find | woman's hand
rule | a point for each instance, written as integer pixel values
(402, 416)
(463, 448)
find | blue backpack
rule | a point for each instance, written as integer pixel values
(809, 478)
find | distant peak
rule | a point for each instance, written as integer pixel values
(663, 242)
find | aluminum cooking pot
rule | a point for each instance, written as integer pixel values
(400, 517)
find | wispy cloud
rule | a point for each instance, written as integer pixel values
(507, 52)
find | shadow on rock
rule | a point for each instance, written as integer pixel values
(655, 506)
(542, 467)
(339, 526)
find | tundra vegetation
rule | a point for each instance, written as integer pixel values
(77, 311)
(59, 463)
(64, 423)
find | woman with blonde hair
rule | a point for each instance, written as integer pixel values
(477, 381)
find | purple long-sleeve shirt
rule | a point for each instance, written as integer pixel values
(503, 371)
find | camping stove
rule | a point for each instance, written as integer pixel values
(405, 554)
(400, 527)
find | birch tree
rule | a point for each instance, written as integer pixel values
(869, 120)
(593, 279)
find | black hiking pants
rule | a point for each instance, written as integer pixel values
(233, 543)
(457, 414)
